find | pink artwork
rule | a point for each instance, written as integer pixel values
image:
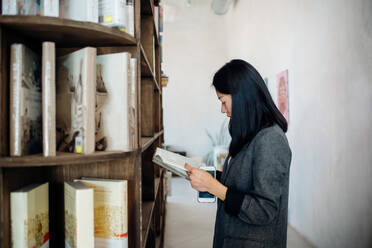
(282, 87)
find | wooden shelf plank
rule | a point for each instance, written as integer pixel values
(147, 211)
(147, 141)
(62, 158)
(70, 33)
(146, 69)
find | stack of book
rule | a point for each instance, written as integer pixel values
(96, 214)
(79, 102)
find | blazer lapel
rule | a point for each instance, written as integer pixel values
(226, 169)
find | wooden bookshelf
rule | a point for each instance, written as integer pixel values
(146, 193)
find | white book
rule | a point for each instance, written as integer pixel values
(49, 8)
(110, 212)
(20, 7)
(112, 13)
(79, 10)
(25, 101)
(29, 216)
(173, 162)
(49, 98)
(133, 103)
(76, 86)
(115, 73)
(79, 215)
(129, 16)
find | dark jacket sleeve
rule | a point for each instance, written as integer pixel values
(218, 175)
(270, 170)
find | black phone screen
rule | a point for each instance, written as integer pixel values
(206, 194)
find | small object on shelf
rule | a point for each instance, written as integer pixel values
(164, 80)
(25, 101)
(29, 215)
(79, 215)
(49, 8)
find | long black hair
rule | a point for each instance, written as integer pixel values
(252, 106)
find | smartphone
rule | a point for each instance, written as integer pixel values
(205, 196)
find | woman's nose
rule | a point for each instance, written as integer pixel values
(223, 110)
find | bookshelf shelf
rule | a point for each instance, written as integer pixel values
(147, 141)
(61, 159)
(69, 33)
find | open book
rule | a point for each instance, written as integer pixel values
(173, 162)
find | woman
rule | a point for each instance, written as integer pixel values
(253, 188)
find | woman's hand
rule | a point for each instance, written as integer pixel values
(204, 182)
(199, 179)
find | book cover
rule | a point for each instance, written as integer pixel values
(112, 13)
(49, 8)
(76, 86)
(25, 101)
(49, 98)
(129, 16)
(79, 215)
(29, 216)
(114, 105)
(110, 212)
(21, 7)
(82, 10)
(133, 103)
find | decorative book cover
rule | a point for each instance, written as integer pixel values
(112, 13)
(82, 10)
(79, 215)
(110, 212)
(282, 87)
(29, 216)
(21, 7)
(49, 98)
(49, 8)
(133, 103)
(76, 84)
(25, 102)
(113, 106)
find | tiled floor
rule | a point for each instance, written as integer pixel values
(190, 224)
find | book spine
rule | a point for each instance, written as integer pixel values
(133, 102)
(49, 99)
(16, 95)
(85, 218)
(129, 15)
(18, 219)
(89, 99)
(9, 7)
(92, 10)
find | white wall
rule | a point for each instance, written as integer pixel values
(194, 49)
(327, 47)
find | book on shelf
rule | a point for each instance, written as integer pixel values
(156, 18)
(81, 10)
(112, 13)
(49, 98)
(25, 101)
(21, 7)
(79, 215)
(129, 17)
(110, 212)
(49, 8)
(133, 103)
(173, 162)
(29, 216)
(113, 114)
(75, 100)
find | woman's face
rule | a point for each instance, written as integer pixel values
(226, 103)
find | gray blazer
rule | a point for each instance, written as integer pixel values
(260, 171)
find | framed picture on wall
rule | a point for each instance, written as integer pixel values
(282, 89)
